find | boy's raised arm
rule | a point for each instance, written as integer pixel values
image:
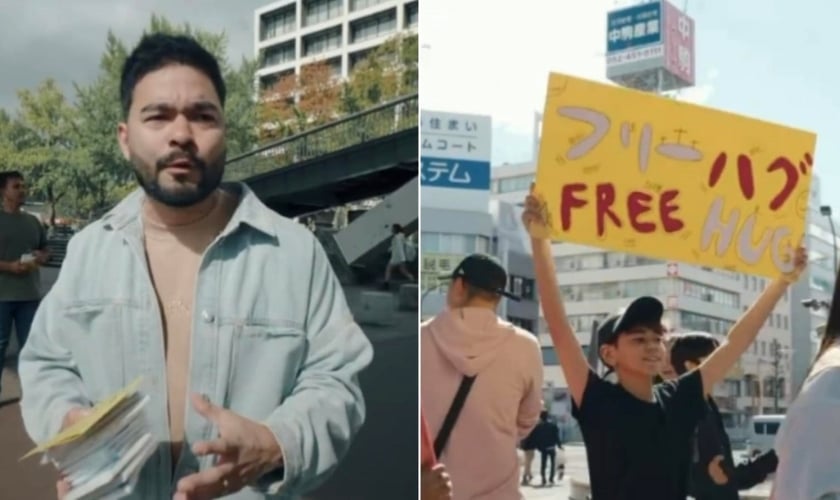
(572, 360)
(746, 329)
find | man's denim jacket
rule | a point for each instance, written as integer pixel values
(273, 340)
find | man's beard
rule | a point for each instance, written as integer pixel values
(184, 195)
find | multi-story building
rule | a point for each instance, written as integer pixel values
(812, 294)
(289, 34)
(597, 283)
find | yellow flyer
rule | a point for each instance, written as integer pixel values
(83, 426)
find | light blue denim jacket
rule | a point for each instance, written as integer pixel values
(273, 340)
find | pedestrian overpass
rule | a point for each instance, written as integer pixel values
(372, 154)
(361, 156)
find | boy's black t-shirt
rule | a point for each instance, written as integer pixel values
(637, 449)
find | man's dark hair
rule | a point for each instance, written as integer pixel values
(158, 50)
(691, 347)
(8, 175)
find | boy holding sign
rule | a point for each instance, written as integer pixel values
(637, 433)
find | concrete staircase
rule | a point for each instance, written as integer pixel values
(346, 275)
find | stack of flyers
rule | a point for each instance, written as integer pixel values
(101, 455)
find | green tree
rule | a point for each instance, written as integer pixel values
(299, 102)
(389, 71)
(45, 149)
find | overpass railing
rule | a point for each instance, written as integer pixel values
(358, 128)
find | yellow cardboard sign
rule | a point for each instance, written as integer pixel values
(83, 426)
(630, 171)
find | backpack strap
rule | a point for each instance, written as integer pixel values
(452, 414)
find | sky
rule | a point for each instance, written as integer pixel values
(768, 59)
(65, 39)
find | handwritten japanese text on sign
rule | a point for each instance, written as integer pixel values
(634, 172)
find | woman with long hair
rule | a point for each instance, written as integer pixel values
(808, 444)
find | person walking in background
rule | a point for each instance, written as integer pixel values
(529, 448)
(547, 441)
(713, 474)
(399, 256)
(23, 247)
(481, 383)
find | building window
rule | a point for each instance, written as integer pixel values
(785, 318)
(278, 23)
(411, 15)
(710, 294)
(461, 244)
(703, 323)
(515, 184)
(318, 11)
(525, 324)
(363, 4)
(359, 56)
(333, 64)
(583, 322)
(521, 287)
(279, 54)
(322, 41)
(373, 26)
(602, 260)
(549, 356)
(614, 290)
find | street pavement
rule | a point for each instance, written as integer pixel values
(27, 479)
(576, 467)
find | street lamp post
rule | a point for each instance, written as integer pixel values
(825, 210)
(777, 358)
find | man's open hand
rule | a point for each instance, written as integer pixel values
(245, 450)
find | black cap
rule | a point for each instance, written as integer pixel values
(644, 310)
(484, 272)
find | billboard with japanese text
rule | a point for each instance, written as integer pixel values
(650, 46)
(634, 27)
(455, 160)
(679, 44)
(634, 172)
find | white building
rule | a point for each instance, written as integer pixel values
(597, 283)
(293, 33)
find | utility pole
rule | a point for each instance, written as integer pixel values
(777, 358)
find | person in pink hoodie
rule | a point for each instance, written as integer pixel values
(492, 371)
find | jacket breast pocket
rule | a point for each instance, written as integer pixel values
(95, 332)
(265, 360)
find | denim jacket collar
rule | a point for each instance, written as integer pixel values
(250, 211)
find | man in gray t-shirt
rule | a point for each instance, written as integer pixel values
(23, 243)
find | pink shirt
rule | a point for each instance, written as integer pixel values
(502, 407)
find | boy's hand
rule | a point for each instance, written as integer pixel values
(536, 218)
(800, 262)
(716, 471)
